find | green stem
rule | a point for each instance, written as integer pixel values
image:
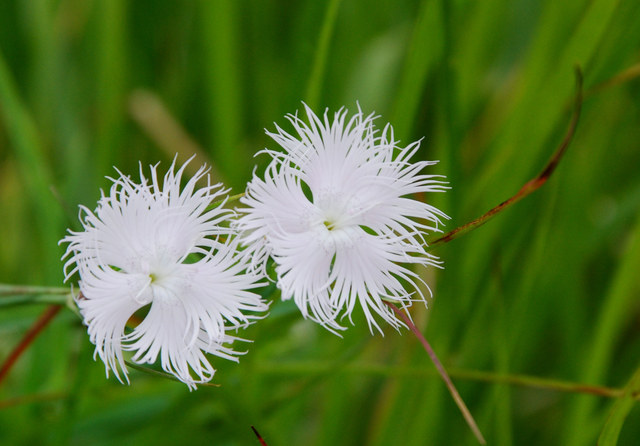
(316, 367)
(539, 383)
(50, 299)
(15, 295)
(14, 290)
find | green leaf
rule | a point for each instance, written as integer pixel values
(619, 412)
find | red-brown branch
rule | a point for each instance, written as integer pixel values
(529, 186)
(28, 338)
(443, 373)
(262, 442)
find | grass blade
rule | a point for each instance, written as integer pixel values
(314, 86)
(619, 412)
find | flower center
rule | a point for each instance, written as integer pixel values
(158, 285)
(336, 208)
(330, 225)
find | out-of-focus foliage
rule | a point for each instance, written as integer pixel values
(549, 288)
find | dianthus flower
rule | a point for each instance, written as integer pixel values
(168, 251)
(335, 212)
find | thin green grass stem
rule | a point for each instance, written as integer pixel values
(553, 385)
(8, 289)
(318, 67)
(14, 301)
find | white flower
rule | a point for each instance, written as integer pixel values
(156, 246)
(335, 213)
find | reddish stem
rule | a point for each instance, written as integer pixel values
(443, 373)
(262, 442)
(530, 186)
(28, 338)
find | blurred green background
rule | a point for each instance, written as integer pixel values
(549, 288)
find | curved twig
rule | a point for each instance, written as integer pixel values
(529, 186)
